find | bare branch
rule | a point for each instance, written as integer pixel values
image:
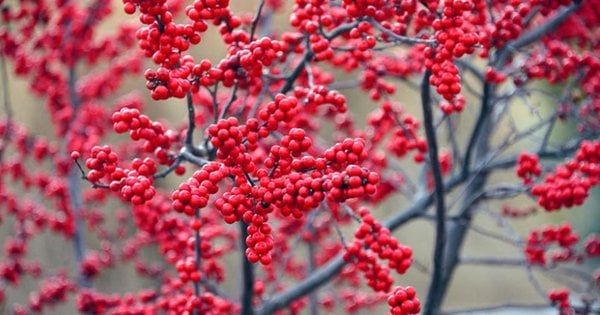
(435, 291)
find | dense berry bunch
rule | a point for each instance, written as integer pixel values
(373, 242)
(403, 301)
(455, 38)
(195, 192)
(135, 184)
(281, 110)
(140, 127)
(539, 241)
(570, 183)
(320, 95)
(528, 167)
(560, 298)
(592, 246)
(102, 162)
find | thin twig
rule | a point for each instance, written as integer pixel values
(256, 19)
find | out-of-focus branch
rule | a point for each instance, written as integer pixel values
(535, 34)
(256, 19)
(7, 108)
(399, 38)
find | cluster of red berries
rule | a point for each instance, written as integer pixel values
(318, 95)
(234, 205)
(284, 157)
(539, 242)
(556, 63)
(380, 10)
(373, 242)
(592, 245)
(228, 137)
(245, 65)
(404, 301)
(348, 151)
(259, 241)
(140, 127)
(164, 83)
(455, 38)
(363, 35)
(163, 39)
(166, 42)
(102, 162)
(188, 270)
(570, 183)
(493, 76)
(53, 290)
(403, 127)
(352, 183)
(372, 81)
(405, 139)
(208, 10)
(508, 26)
(528, 167)
(194, 193)
(135, 184)
(308, 14)
(560, 298)
(281, 110)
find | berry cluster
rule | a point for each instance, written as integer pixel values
(539, 241)
(135, 184)
(592, 246)
(352, 183)
(102, 162)
(508, 26)
(140, 127)
(493, 76)
(53, 290)
(560, 298)
(259, 241)
(228, 137)
(193, 194)
(404, 139)
(528, 167)
(403, 128)
(320, 95)
(245, 65)
(570, 183)
(373, 82)
(281, 110)
(188, 270)
(455, 38)
(404, 301)
(373, 242)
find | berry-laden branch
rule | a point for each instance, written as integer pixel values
(294, 143)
